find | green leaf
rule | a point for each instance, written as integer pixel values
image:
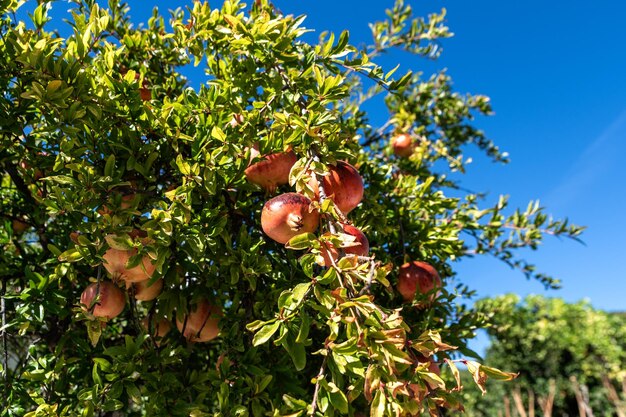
(338, 398)
(299, 292)
(119, 242)
(109, 167)
(94, 330)
(377, 408)
(255, 325)
(263, 383)
(301, 241)
(297, 353)
(265, 333)
(70, 255)
(498, 374)
(61, 179)
(305, 326)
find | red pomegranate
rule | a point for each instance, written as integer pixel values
(111, 302)
(417, 276)
(37, 173)
(272, 171)
(157, 328)
(125, 203)
(361, 246)
(202, 322)
(402, 145)
(145, 93)
(19, 226)
(343, 185)
(288, 215)
(146, 292)
(115, 261)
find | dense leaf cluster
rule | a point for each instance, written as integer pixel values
(102, 136)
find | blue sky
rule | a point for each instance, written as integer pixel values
(555, 72)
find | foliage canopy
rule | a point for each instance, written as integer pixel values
(104, 144)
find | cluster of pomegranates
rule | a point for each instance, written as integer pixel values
(290, 214)
(107, 300)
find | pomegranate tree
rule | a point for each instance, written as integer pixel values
(296, 337)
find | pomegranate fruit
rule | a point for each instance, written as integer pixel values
(115, 261)
(144, 291)
(111, 300)
(125, 203)
(37, 173)
(272, 171)
(157, 328)
(19, 226)
(417, 276)
(402, 145)
(288, 215)
(144, 91)
(361, 246)
(343, 185)
(202, 323)
(74, 237)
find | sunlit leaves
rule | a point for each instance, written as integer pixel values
(104, 138)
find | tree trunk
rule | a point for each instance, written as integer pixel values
(614, 397)
(582, 398)
(507, 406)
(531, 403)
(579, 396)
(585, 392)
(547, 403)
(519, 402)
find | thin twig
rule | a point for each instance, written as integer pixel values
(28, 197)
(5, 359)
(370, 278)
(320, 375)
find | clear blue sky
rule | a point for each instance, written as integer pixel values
(555, 72)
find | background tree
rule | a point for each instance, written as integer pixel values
(578, 350)
(119, 178)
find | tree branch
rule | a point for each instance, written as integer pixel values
(320, 375)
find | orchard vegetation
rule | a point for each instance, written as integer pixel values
(571, 359)
(256, 246)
